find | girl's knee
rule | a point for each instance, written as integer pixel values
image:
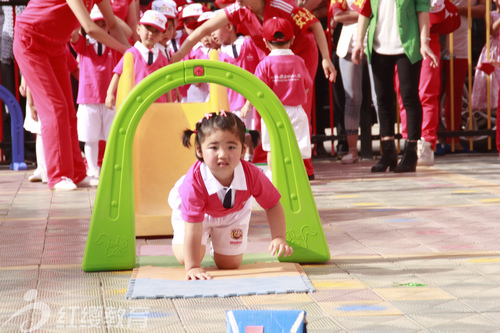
(227, 262)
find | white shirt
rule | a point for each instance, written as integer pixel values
(228, 48)
(213, 186)
(387, 39)
(145, 51)
(93, 42)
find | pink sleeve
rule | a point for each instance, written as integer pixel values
(260, 74)
(193, 196)
(264, 192)
(119, 67)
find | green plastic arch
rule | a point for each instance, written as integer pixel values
(111, 239)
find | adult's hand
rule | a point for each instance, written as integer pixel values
(329, 69)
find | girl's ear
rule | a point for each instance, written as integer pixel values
(199, 154)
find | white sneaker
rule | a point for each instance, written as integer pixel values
(349, 159)
(66, 184)
(93, 172)
(36, 176)
(94, 181)
(88, 181)
(425, 153)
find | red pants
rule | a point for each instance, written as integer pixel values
(459, 74)
(310, 56)
(498, 124)
(45, 68)
(429, 90)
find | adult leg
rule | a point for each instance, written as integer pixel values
(47, 76)
(429, 91)
(310, 57)
(352, 78)
(382, 69)
(409, 75)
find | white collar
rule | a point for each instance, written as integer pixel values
(212, 184)
(144, 50)
(279, 52)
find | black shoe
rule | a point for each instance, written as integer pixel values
(311, 177)
(389, 157)
(410, 158)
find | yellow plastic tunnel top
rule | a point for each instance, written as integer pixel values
(141, 159)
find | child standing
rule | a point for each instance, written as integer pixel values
(215, 198)
(147, 57)
(167, 8)
(241, 52)
(199, 92)
(96, 70)
(286, 74)
(479, 98)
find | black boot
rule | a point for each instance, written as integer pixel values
(409, 161)
(389, 157)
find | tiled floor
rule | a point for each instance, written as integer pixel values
(410, 252)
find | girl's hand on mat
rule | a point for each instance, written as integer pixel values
(197, 274)
(279, 247)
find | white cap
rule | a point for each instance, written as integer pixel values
(166, 7)
(193, 10)
(154, 19)
(95, 14)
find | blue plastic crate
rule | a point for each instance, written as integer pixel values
(266, 321)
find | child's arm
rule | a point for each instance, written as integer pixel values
(494, 26)
(277, 223)
(178, 96)
(110, 94)
(75, 36)
(192, 250)
(245, 109)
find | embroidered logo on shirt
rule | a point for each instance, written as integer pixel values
(237, 235)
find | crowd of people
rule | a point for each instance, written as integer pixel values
(404, 43)
(279, 41)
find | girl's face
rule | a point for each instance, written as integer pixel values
(149, 35)
(221, 151)
(169, 32)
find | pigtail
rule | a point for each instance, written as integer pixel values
(255, 136)
(186, 138)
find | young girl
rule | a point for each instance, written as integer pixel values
(479, 98)
(215, 198)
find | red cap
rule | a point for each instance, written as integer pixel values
(202, 19)
(277, 25)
